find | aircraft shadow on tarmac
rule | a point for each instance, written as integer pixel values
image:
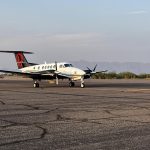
(104, 85)
(121, 85)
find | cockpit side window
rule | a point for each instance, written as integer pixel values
(68, 65)
(71, 65)
(54, 66)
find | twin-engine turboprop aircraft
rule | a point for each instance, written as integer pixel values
(51, 71)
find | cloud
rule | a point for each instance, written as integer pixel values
(77, 46)
(48, 40)
(138, 12)
(51, 47)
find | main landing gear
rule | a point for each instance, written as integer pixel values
(36, 84)
(71, 84)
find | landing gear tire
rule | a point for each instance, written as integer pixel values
(82, 85)
(36, 85)
(71, 84)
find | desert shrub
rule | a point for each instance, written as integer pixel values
(143, 76)
(114, 75)
(127, 75)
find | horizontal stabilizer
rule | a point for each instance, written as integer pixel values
(5, 51)
(20, 58)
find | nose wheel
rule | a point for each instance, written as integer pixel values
(82, 83)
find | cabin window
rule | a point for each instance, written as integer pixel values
(43, 67)
(39, 68)
(61, 66)
(54, 66)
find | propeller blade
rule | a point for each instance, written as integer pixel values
(56, 73)
(95, 67)
(91, 72)
(56, 65)
(89, 69)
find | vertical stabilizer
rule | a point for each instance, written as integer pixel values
(20, 58)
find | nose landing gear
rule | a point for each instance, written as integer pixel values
(82, 83)
(72, 84)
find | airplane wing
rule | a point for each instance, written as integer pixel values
(14, 72)
(28, 75)
(103, 71)
(47, 75)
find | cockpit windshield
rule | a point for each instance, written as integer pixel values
(68, 65)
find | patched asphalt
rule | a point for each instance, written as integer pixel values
(107, 114)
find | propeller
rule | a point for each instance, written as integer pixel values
(92, 71)
(56, 65)
(56, 72)
(95, 68)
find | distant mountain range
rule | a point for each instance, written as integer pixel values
(117, 67)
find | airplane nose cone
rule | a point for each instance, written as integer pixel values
(78, 72)
(82, 72)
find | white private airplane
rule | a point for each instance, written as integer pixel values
(51, 71)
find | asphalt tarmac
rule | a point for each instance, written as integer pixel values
(107, 114)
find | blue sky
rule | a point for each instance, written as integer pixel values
(63, 30)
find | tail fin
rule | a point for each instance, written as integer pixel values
(20, 58)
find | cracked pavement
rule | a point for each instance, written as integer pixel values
(107, 114)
